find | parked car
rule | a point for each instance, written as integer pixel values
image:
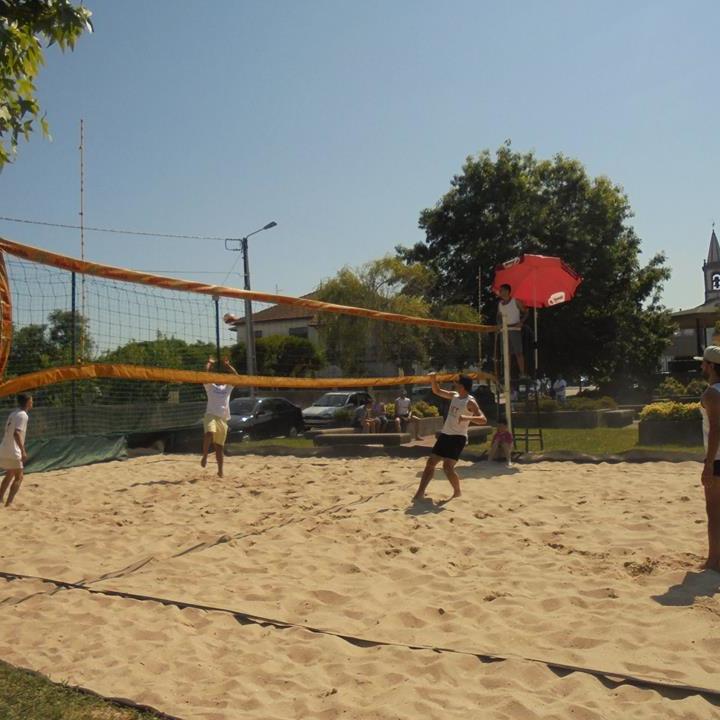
(255, 418)
(323, 412)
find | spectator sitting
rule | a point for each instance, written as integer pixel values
(501, 444)
(362, 417)
(378, 417)
(402, 411)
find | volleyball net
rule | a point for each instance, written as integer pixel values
(111, 350)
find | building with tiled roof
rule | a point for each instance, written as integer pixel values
(282, 320)
(696, 326)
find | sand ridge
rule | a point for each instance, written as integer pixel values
(590, 565)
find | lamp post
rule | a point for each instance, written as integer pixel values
(242, 246)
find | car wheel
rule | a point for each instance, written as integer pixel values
(293, 432)
(246, 437)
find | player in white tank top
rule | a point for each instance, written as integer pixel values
(463, 410)
(710, 409)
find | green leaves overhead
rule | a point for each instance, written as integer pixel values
(25, 27)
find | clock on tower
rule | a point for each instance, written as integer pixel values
(711, 270)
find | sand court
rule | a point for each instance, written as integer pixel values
(594, 566)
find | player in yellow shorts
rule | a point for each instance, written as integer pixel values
(217, 414)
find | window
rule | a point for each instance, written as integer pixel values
(258, 334)
(299, 332)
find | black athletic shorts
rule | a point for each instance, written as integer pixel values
(449, 446)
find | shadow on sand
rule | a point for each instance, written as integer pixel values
(428, 506)
(705, 583)
(476, 471)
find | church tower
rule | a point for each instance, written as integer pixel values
(711, 270)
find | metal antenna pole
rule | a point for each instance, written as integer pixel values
(82, 239)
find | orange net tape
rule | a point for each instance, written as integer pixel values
(113, 273)
(6, 326)
(134, 372)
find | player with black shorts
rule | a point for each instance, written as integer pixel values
(452, 439)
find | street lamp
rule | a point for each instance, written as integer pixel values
(242, 246)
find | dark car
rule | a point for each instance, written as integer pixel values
(255, 418)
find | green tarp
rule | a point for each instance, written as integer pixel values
(66, 452)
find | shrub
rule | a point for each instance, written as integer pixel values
(423, 409)
(696, 387)
(607, 403)
(546, 405)
(670, 387)
(390, 410)
(670, 411)
(587, 403)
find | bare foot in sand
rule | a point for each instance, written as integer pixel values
(420, 498)
(203, 462)
(220, 475)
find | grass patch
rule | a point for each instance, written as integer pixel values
(27, 696)
(598, 441)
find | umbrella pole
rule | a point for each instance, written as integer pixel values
(535, 340)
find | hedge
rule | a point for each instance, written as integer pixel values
(670, 411)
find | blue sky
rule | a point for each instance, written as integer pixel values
(343, 120)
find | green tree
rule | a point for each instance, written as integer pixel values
(25, 26)
(282, 355)
(60, 332)
(163, 352)
(37, 347)
(451, 349)
(499, 207)
(31, 350)
(387, 284)
(287, 356)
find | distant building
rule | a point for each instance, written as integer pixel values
(282, 320)
(695, 327)
(303, 322)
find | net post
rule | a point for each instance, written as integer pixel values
(480, 347)
(506, 371)
(216, 300)
(73, 351)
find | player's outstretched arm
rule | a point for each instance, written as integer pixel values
(437, 390)
(227, 364)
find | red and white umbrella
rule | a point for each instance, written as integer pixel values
(538, 281)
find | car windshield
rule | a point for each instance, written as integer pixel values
(243, 406)
(330, 400)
